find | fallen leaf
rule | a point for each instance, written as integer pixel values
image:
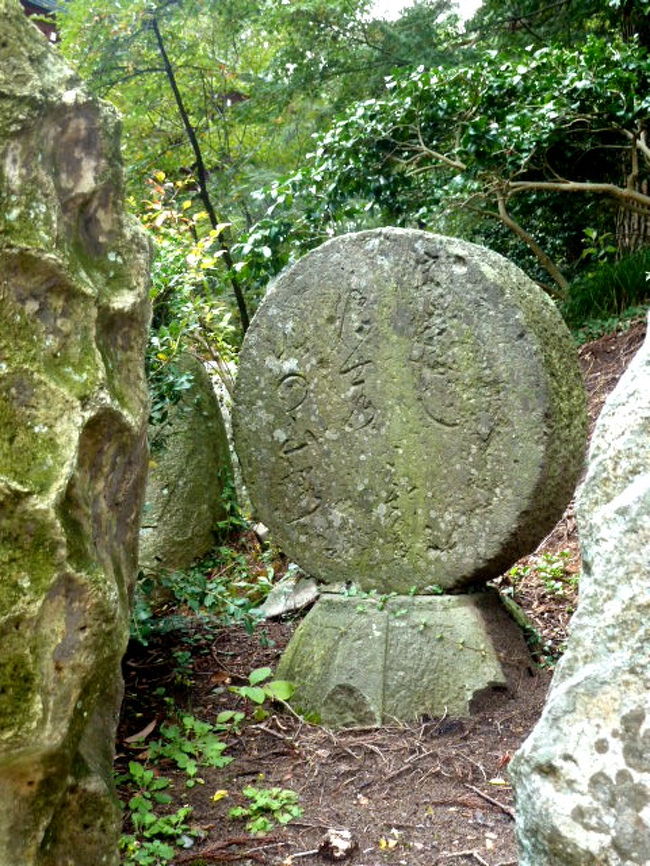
(219, 795)
(387, 844)
(143, 734)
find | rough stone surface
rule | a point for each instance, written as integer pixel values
(408, 411)
(582, 778)
(294, 592)
(73, 409)
(366, 661)
(189, 466)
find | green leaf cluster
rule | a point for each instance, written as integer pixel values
(261, 689)
(156, 836)
(267, 807)
(190, 745)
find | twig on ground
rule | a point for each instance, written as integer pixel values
(474, 763)
(472, 853)
(429, 772)
(284, 737)
(217, 853)
(487, 798)
(406, 765)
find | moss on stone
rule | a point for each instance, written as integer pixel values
(37, 418)
(17, 685)
(47, 324)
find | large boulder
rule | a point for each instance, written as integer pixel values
(582, 778)
(73, 410)
(189, 473)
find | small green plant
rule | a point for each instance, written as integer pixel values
(155, 837)
(220, 590)
(260, 690)
(234, 518)
(267, 807)
(150, 785)
(598, 246)
(518, 572)
(552, 569)
(192, 744)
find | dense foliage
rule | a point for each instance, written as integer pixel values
(254, 129)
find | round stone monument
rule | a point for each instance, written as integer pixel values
(410, 419)
(409, 411)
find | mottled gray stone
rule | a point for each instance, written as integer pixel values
(367, 661)
(188, 471)
(408, 411)
(73, 410)
(294, 592)
(582, 778)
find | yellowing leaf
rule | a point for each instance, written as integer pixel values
(218, 229)
(187, 204)
(387, 844)
(219, 795)
(160, 176)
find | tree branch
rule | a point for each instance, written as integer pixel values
(632, 199)
(202, 176)
(543, 258)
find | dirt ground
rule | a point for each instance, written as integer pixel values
(424, 794)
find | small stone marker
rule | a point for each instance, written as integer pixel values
(410, 418)
(188, 471)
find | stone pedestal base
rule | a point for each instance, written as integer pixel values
(358, 661)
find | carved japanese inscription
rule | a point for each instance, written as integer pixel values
(409, 411)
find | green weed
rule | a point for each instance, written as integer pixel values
(223, 589)
(551, 569)
(155, 837)
(260, 690)
(608, 290)
(267, 807)
(193, 743)
(593, 329)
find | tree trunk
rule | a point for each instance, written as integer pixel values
(632, 227)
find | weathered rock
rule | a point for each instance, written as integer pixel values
(582, 778)
(73, 409)
(189, 468)
(408, 411)
(369, 661)
(294, 592)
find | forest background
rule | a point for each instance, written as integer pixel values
(256, 129)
